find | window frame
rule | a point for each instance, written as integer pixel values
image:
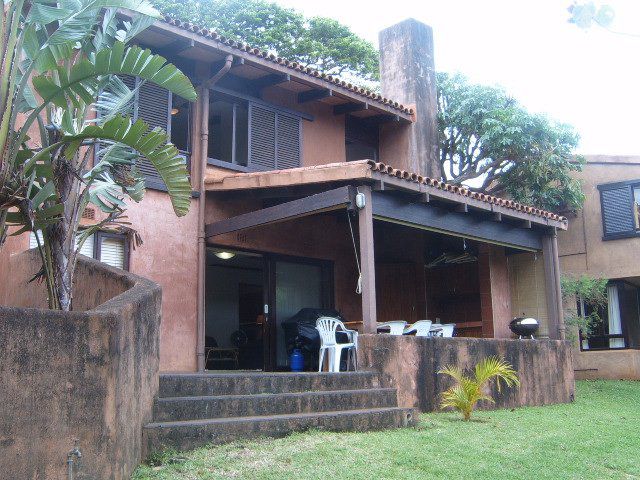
(97, 248)
(236, 98)
(631, 185)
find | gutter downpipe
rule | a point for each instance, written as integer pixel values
(202, 252)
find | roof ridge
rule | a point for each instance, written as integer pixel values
(291, 64)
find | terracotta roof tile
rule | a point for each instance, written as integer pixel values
(463, 191)
(211, 34)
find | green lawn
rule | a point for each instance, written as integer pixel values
(596, 437)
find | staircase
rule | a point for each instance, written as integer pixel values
(212, 408)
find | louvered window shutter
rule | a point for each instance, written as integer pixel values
(617, 210)
(112, 251)
(288, 142)
(153, 105)
(274, 139)
(86, 250)
(262, 138)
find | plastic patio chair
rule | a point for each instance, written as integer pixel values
(421, 327)
(327, 328)
(443, 330)
(396, 327)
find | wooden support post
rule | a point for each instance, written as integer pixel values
(556, 273)
(367, 263)
(552, 287)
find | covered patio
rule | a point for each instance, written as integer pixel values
(400, 246)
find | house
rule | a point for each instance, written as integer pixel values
(310, 192)
(603, 242)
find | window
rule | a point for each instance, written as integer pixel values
(361, 139)
(110, 248)
(636, 205)
(159, 108)
(617, 325)
(620, 203)
(252, 136)
(228, 131)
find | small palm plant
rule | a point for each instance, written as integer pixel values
(468, 391)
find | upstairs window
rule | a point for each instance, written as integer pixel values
(361, 139)
(252, 136)
(620, 204)
(159, 108)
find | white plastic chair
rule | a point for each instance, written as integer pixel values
(443, 330)
(396, 327)
(327, 328)
(421, 327)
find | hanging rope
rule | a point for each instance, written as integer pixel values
(355, 252)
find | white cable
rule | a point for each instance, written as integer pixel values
(355, 251)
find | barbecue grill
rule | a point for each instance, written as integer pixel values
(524, 327)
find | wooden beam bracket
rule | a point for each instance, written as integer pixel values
(314, 95)
(350, 108)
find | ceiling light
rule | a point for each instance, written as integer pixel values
(225, 255)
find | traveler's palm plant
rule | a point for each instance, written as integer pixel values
(60, 97)
(469, 390)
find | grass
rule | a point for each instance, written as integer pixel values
(596, 437)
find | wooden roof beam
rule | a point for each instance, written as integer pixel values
(350, 108)
(314, 95)
(270, 80)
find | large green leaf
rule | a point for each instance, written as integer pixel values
(151, 144)
(84, 78)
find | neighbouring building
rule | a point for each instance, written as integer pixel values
(603, 241)
(312, 192)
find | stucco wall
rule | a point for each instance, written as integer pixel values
(87, 375)
(544, 367)
(581, 248)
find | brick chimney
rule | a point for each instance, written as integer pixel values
(407, 75)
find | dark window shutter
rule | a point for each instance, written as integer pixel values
(153, 105)
(617, 210)
(288, 142)
(262, 138)
(274, 139)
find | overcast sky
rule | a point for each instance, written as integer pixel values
(588, 79)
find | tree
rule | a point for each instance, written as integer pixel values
(62, 62)
(469, 390)
(585, 14)
(492, 144)
(321, 43)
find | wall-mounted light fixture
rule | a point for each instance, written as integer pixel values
(175, 111)
(225, 255)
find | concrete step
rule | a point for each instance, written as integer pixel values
(248, 383)
(203, 407)
(184, 435)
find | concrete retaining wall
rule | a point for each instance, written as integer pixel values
(88, 375)
(544, 367)
(607, 364)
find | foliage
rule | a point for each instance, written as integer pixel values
(72, 51)
(593, 292)
(468, 391)
(318, 42)
(597, 436)
(585, 14)
(490, 142)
